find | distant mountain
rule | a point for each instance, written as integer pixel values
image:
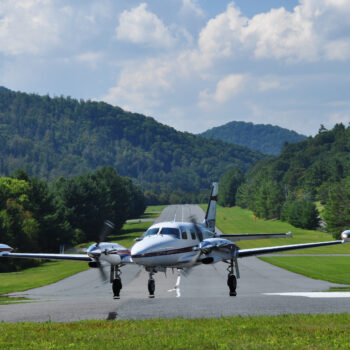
(50, 137)
(267, 139)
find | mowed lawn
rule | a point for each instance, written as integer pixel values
(42, 275)
(262, 332)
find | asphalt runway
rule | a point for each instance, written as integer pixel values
(262, 289)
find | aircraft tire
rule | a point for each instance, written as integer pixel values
(232, 284)
(151, 287)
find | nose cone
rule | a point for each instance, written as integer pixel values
(145, 251)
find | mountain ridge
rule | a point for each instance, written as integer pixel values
(60, 136)
(265, 138)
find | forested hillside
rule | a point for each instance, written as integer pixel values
(50, 137)
(260, 137)
(312, 170)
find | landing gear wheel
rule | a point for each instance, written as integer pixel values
(116, 287)
(232, 284)
(151, 288)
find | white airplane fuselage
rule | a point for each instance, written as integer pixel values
(169, 244)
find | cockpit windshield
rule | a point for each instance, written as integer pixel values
(170, 231)
(152, 231)
(164, 231)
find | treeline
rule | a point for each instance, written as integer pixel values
(38, 216)
(287, 187)
(52, 137)
(267, 139)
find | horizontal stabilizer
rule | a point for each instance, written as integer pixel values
(248, 236)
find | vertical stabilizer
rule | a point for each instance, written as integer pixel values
(210, 216)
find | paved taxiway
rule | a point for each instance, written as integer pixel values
(204, 292)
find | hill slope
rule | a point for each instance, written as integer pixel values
(306, 170)
(50, 137)
(260, 137)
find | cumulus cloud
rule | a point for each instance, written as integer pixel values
(28, 26)
(141, 26)
(141, 88)
(314, 30)
(226, 89)
(190, 7)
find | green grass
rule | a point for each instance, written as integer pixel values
(335, 269)
(263, 332)
(238, 220)
(155, 208)
(6, 300)
(42, 275)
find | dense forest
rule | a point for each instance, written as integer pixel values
(37, 217)
(52, 137)
(286, 187)
(267, 139)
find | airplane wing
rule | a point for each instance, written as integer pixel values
(76, 257)
(242, 253)
(247, 236)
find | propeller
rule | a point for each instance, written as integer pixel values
(107, 228)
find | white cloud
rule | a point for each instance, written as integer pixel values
(28, 26)
(141, 26)
(190, 7)
(314, 30)
(140, 87)
(228, 87)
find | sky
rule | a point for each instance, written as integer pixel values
(190, 64)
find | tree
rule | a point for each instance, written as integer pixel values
(228, 184)
(300, 213)
(337, 210)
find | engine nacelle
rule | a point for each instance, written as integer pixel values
(345, 236)
(5, 249)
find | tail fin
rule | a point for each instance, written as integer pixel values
(210, 216)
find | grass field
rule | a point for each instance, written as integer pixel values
(265, 332)
(39, 276)
(331, 268)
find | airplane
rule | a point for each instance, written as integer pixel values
(175, 245)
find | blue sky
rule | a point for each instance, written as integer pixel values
(190, 64)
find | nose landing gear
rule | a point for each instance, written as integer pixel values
(231, 279)
(151, 285)
(116, 281)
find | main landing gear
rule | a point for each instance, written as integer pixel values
(231, 279)
(151, 284)
(116, 281)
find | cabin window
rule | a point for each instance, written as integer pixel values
(193, 235)
(184, 235)
(170, 231)
(200, 235)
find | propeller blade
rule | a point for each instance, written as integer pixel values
(108, 227)
(103, 274)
